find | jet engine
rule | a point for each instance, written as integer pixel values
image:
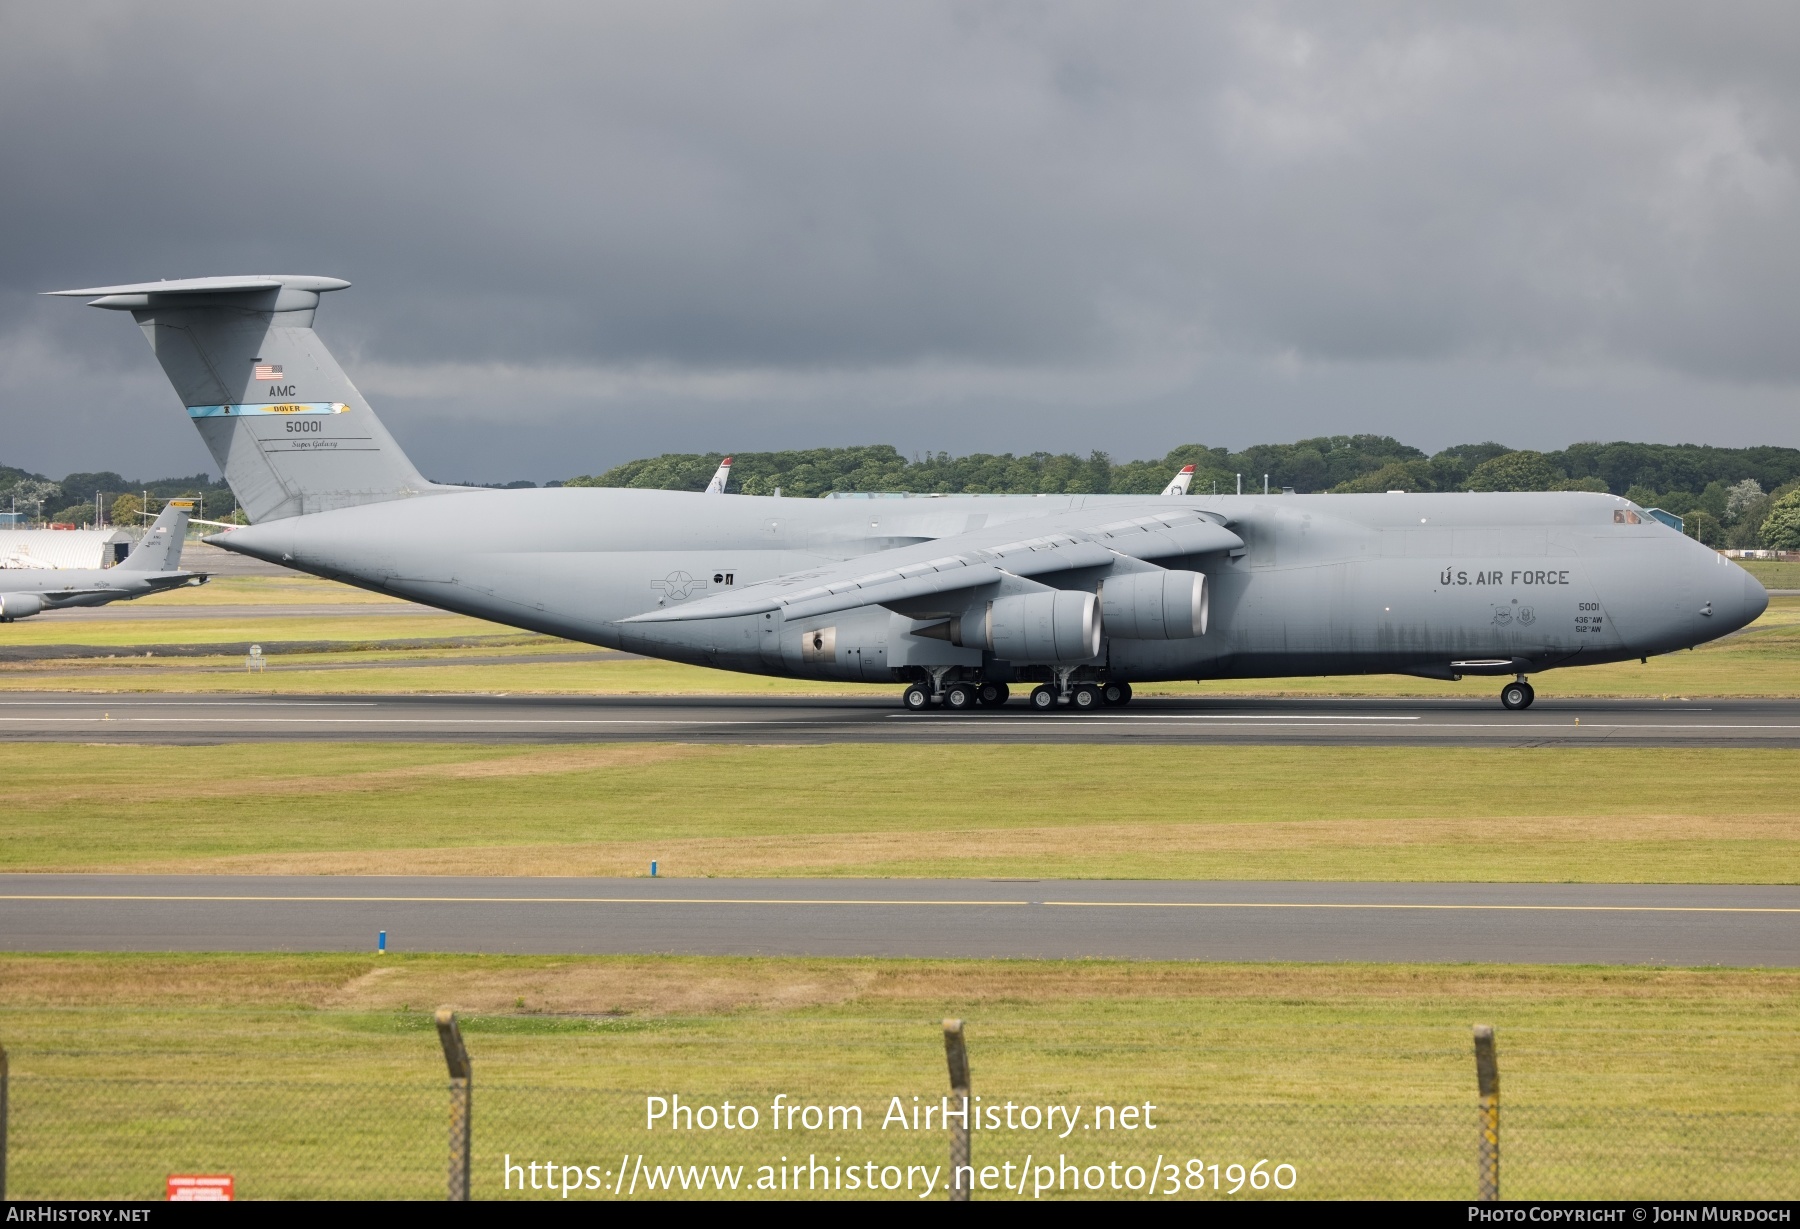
(1030, 627)
(19, 606)
(1164, 605)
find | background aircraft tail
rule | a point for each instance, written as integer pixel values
(1179, 484)
(720, 477)
(289, 431)
(159, 550)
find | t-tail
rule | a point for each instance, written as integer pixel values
(289, 431)
(160, 548)
(720, 477)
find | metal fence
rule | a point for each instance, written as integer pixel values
(93, 1138)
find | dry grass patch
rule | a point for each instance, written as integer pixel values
(706, 985)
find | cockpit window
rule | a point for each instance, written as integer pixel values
(1626, 516)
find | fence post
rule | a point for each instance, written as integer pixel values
(1487, 1142)
(5, 1078)
(957, 1053)
(456, 1057)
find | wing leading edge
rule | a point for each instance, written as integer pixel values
(962, 561)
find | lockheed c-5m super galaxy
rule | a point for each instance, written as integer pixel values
(959, 599)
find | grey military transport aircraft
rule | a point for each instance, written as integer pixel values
(959, 598)
(152, 567)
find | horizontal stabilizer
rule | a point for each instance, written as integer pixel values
(139, 295)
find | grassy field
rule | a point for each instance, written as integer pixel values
(1773, 573)
(126, 1068)
(273, 591)
(1551, 814)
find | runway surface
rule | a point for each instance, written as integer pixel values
(207, 719)
(1515, 923)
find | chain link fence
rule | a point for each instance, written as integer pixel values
(73, 1137)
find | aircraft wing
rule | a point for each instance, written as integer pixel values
(73, 591)
(963, 561)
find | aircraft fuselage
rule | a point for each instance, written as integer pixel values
(1432, 584)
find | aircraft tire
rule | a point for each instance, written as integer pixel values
(993, 695)
(1115, 695)
(1043, 698)
(961, 698)
(916, 699)
(1516, 696)
(1085, 698)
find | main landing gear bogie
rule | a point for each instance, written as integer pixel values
(960, 697)
(1517, 695)
(1047, 697)
(1115, 695)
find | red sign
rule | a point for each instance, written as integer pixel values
(199, 1186)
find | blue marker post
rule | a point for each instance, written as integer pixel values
(381, 943)
(653, 868)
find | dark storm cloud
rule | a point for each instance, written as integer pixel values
(943, 225)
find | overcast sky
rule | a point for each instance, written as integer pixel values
(584, 232)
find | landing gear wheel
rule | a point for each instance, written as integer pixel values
(916, 698)
(1115, 695)
(1043, 698)
(961, 698)
(1085, 698)
(993, 695)
(1517, 696)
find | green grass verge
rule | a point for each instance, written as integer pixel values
(1773, 573)
(271, 591)
(1598, 814)
(320, 1075)
(127, 633)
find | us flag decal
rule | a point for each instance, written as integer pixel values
(268, 371)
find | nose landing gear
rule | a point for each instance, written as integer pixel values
(1517, 695)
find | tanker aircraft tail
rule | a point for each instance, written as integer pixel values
(160, 548)
(289, 431)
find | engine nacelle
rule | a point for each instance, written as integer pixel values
(19, 606)
(1039, 627)
(1167, 605)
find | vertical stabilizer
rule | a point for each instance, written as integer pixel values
(159, 550)
(720, 477)
(289, 431)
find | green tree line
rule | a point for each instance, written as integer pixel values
(1728, 496)
(71, 501)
